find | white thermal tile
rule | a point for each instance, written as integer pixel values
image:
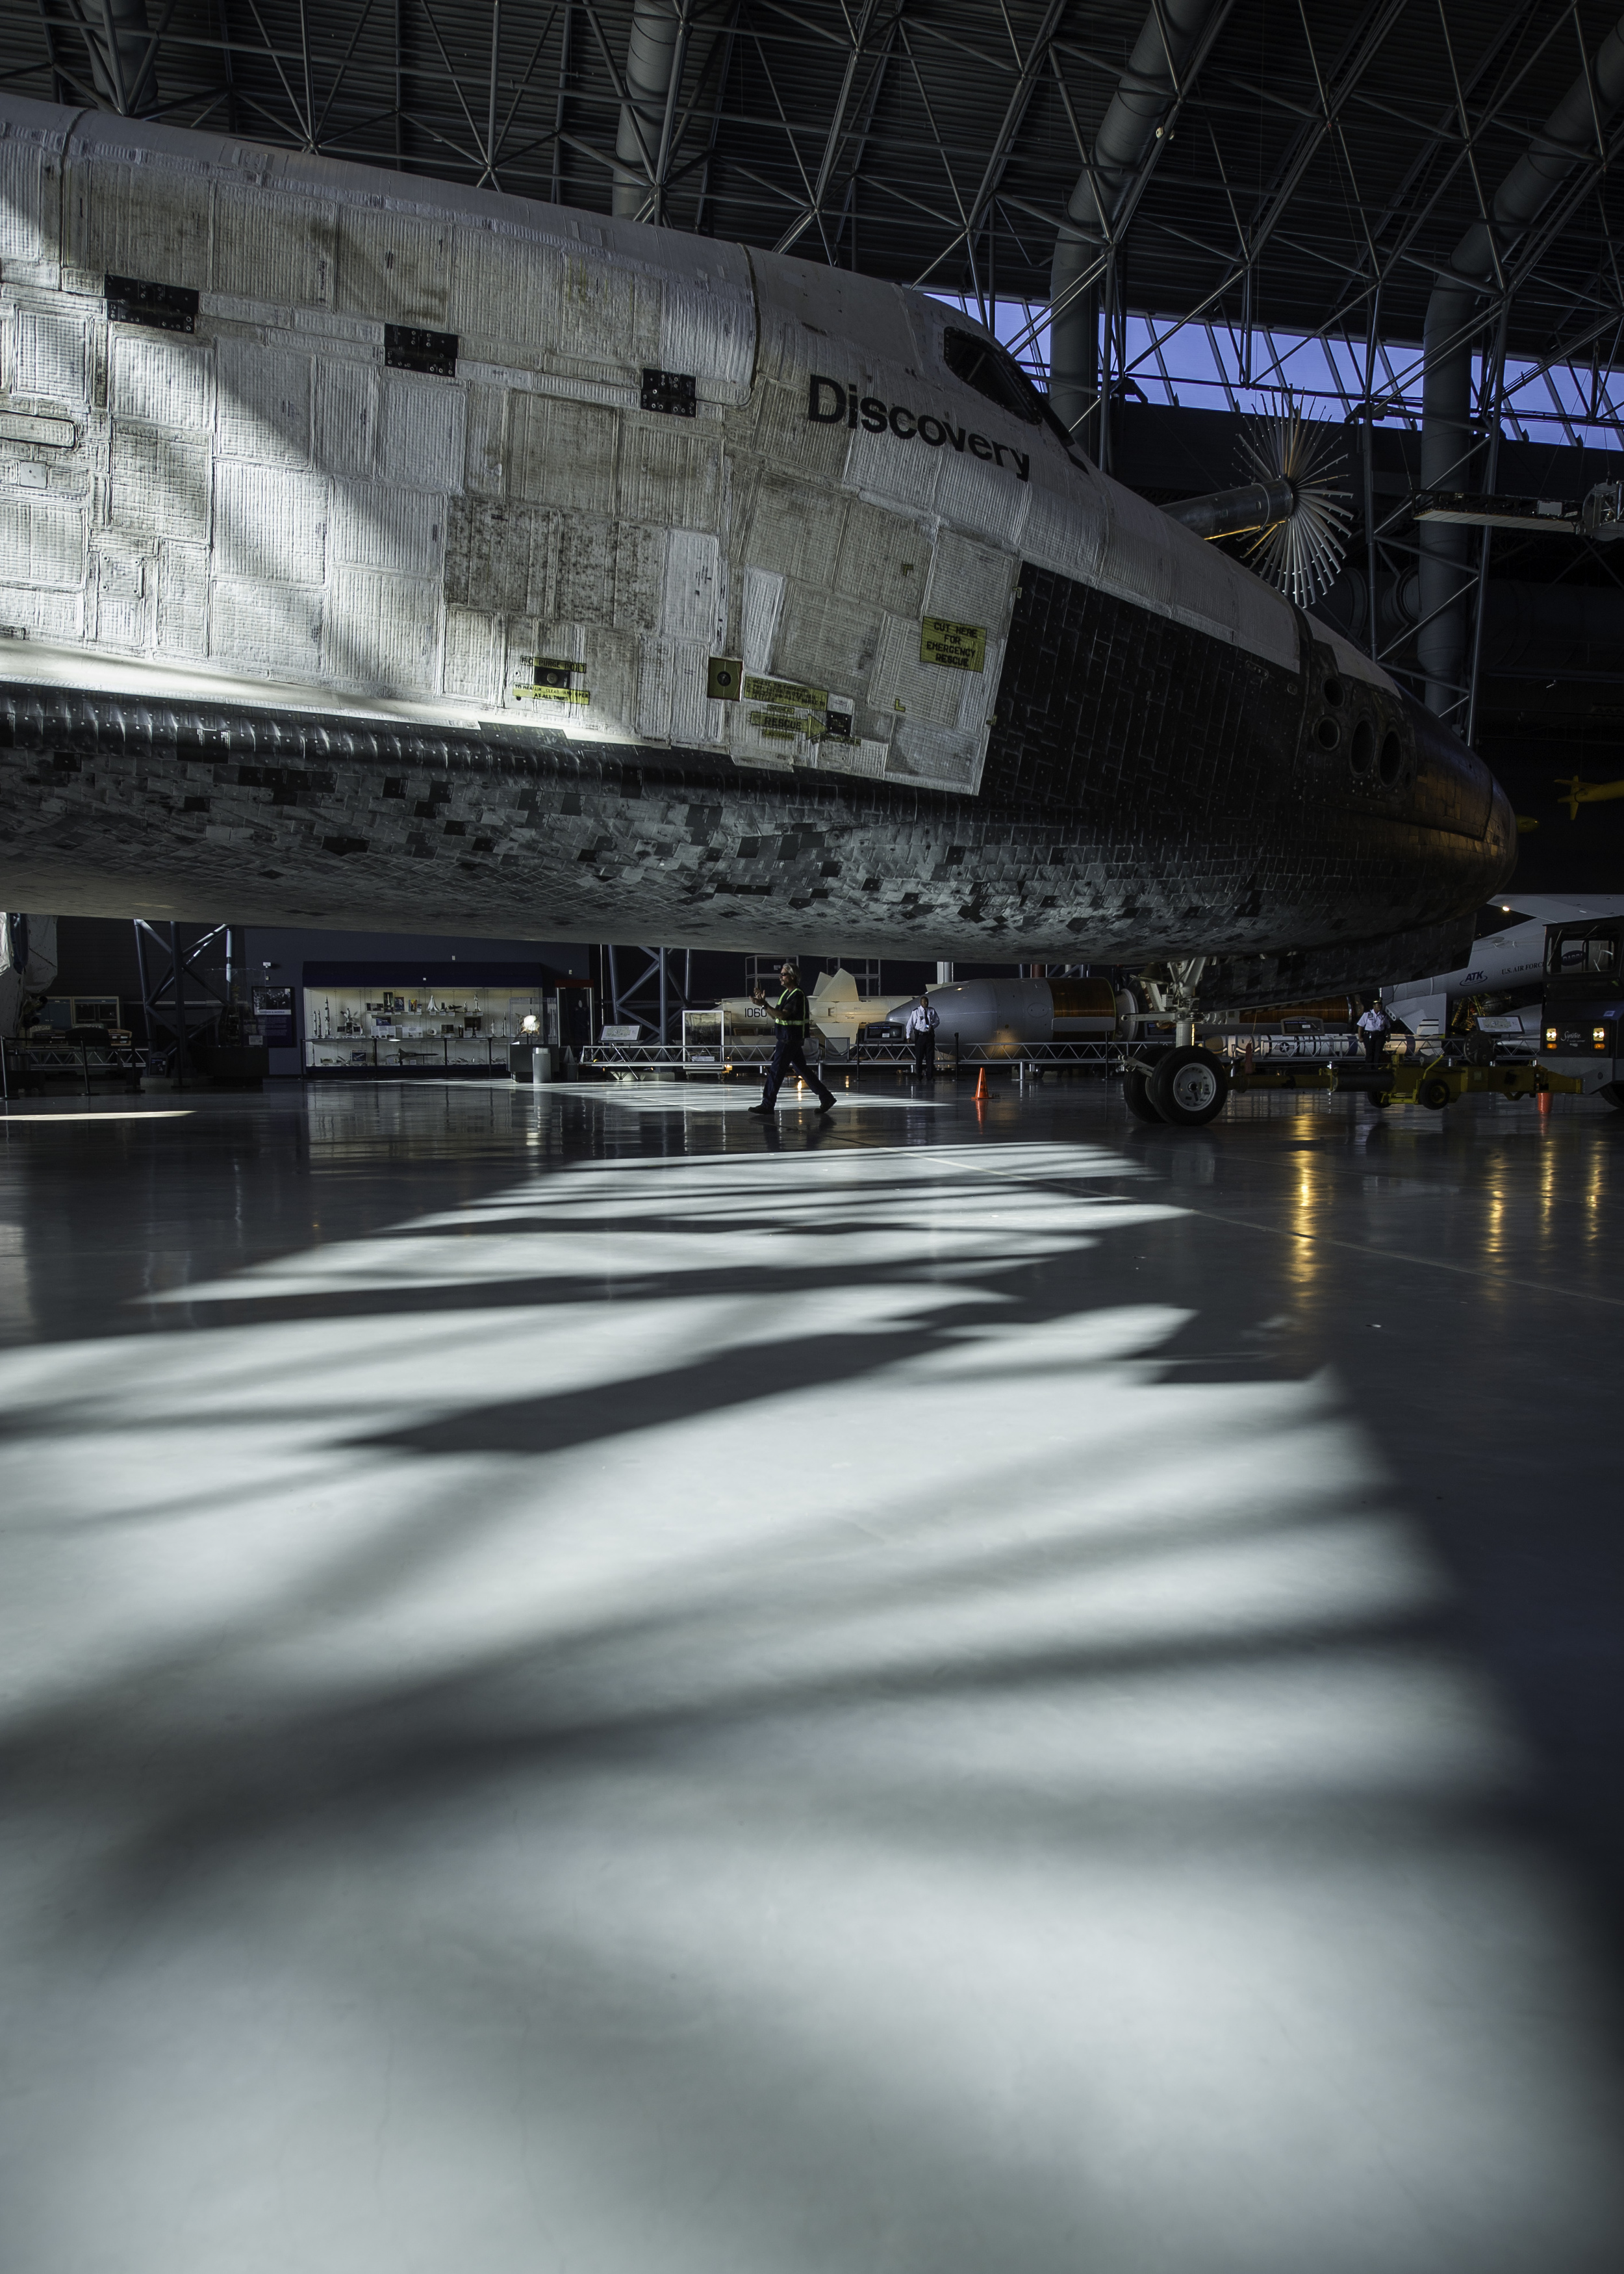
(346, 414)
(41, 540)
(183, 599)
(270, 522)
(275, 629)
(563, 453)
(264, 397)
(51, 615)
(672, 703)
(947, 756)
(382, 631)
(22, 237)
(670, 473)
(793, 528)
(692, 588)
(422, 437)
(485, 461)
(640, 555)
(983, 496)
(927, 692)
(377, 525)
(278, 248)
(394, 265)
(164, 381)
(473, 654)
(763, 599)
(709, 333)
(141, 221)
(160, 484)
(969, 583)
(1065, 530)
(52, 355)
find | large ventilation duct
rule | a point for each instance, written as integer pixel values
(121, 52)
(1568, 135)
(1529, 630)
(651, 59)
(1143, 95)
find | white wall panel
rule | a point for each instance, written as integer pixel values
(928, 693)
(794, 527)
(169, 382)
(273, 629)
(160, 484)
(264, 401)
(269, 521)
(422, 436)
(640, 555)
(52, 356)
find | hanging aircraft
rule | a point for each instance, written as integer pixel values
(382, 553)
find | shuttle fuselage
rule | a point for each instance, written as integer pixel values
(389, 552)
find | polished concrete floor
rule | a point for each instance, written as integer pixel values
(590, 1686)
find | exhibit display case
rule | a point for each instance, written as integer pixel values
(456, 1029)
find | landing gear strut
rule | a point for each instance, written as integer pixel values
(1185, 1085)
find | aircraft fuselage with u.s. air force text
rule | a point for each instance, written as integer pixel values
(662, 590)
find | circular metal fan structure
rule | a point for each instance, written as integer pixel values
(1302, 551)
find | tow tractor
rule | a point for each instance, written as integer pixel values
(1188, 1086)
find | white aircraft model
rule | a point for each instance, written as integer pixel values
(1508, 957)
(837, 1010)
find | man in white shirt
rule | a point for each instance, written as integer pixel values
(1375, 1026)
(920, 1029)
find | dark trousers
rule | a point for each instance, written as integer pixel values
(790, 1056)
(925, 1054)
(1375, 1047)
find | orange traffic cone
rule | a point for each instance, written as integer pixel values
(981, 1086)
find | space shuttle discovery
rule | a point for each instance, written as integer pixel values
(376, 551)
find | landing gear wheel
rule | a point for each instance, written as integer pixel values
(1136, 1096)
(1433, 1095)
(1188, 1087)
(1381, 1102)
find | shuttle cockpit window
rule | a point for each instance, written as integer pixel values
(992, 371)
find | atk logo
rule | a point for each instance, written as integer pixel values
(831, 402)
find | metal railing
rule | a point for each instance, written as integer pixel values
(24, 1065)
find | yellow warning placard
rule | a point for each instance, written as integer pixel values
(959, 647)
(553, 694)
(786, 690)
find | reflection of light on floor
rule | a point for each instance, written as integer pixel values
(809, 1774)
(17, 1117)
(693, 1097)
